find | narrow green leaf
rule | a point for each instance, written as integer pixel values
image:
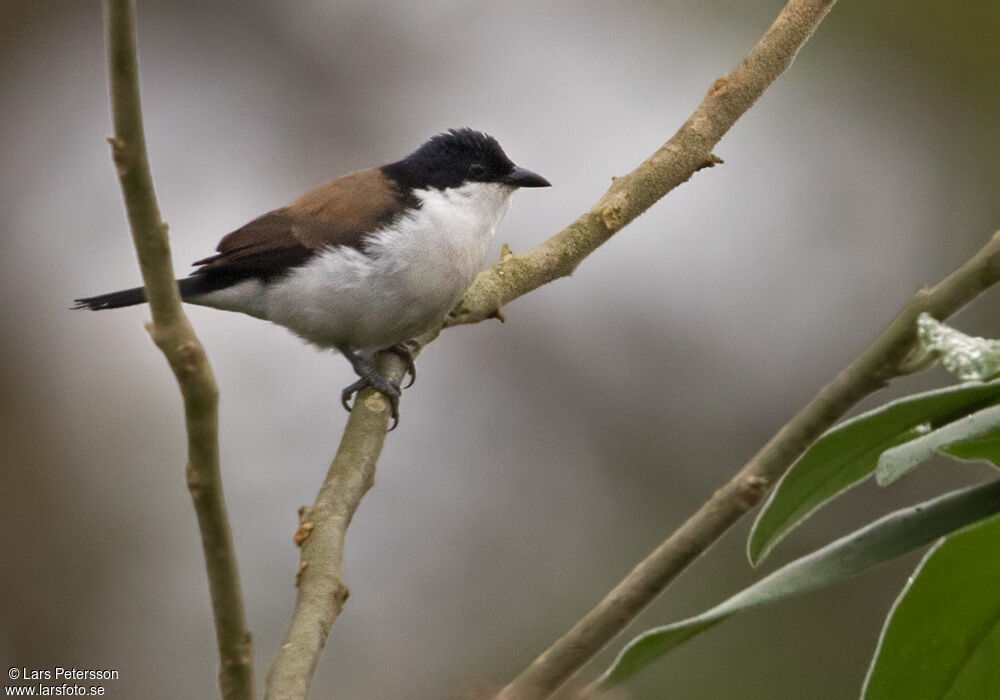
(886, 538)
(983, 449)
(902, 459)
(846, 455)
(942, 638)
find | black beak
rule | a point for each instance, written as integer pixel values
(522, 177)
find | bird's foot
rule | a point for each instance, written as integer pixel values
(406, 351)
(370, 377)
(373, 379)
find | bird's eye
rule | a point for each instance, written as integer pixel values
(477, 170)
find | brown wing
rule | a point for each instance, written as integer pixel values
(341, 212)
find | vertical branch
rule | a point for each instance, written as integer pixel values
(173, 334)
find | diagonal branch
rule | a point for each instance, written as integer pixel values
(322, 530)
(688, 151)
(174, 336)
(893, 353)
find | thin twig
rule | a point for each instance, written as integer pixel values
(322, 530)
(174, 336)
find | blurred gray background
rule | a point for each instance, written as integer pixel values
(536, 461)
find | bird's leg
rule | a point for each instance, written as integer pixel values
(369, 377)
(405, 351)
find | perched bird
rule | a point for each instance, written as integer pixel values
(368, 262)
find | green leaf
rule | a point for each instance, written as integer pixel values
(846, 455)
(984, 449)
(942, 638)
(902, 459)
(886, 538)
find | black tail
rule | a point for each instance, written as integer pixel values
(190, 286)
(114, 300)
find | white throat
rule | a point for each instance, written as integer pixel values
(475, 208)
(451, 230)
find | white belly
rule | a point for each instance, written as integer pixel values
(410, 275)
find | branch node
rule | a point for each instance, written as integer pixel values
(193, 479)
(120, 155)
(303, 565)
(751, 491)
(719, 88)
(341, 594)
(709, 162)
(458, 312)
(611, 215)
(188, 356)
(302, 534)
(917, 359)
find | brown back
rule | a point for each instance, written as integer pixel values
(341, 212)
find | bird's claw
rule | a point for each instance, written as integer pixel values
(406, 351)
(386, 387)
(369, 377)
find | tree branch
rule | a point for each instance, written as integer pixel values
(688, 151)
(173, 334)
(321, 534)
(894, 352)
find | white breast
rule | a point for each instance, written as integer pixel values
(411, 273)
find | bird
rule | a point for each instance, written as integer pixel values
(367, 262)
